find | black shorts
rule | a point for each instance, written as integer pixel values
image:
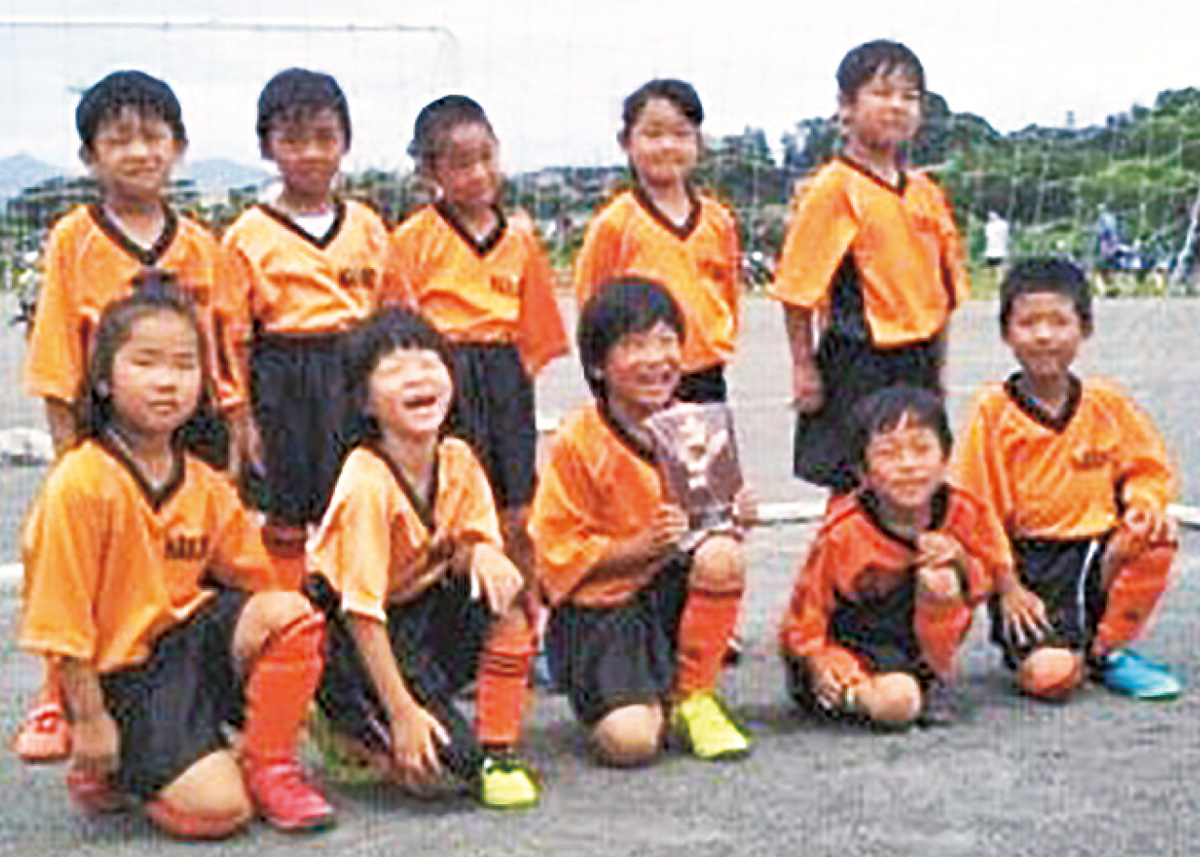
(437, 639)
(302, 409)
(852, 369)
(1066, 576)
(607, 658)
(494, 412)
(703, 386)
(172, 710)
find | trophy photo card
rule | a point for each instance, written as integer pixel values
(698, 457)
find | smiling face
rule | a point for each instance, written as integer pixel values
(663, 145)
(884, 112)
(308, 148)
(642, 370)
(1044, 332)
(156, 376)
(132, 155)
(409, 394)
(466, 166)
(904, 468)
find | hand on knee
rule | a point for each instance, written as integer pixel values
(1050, 673)
(892, 699)
(629, 736)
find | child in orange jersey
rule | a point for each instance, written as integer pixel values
(664, 230)
(481, 276)
(639, 625)
(147, 578)
(410, 565)
(873, 254)
(885, 597)
(1079, 478)
(310, 265)
(131, 136)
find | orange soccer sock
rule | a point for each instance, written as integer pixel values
(503, 683)
(940, 626)
(1134, 593)
(708, 622)
(279, 688)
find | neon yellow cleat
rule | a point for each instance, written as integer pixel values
(507, 783)
(709, 729)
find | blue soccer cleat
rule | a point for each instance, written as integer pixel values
(1126, 672)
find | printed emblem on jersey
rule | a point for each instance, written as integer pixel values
(187, 548)
(713, 270)
(1091, 457)
(876, 581)
(357, 278)
(923, 221)
(506, 284)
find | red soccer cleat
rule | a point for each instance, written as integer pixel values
(284, 799)
(95, 795)
(44, 736)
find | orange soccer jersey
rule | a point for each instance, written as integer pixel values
(1062, 477)
(293, 283)
(699, 263)
(90, 262)
(885, 263)
(598, 488)
(856, 568)
(112, 564)
(381, 544)
(497, 291)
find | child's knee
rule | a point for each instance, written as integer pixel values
(207, 801)
(719, 565)
(629, 736)
(1050, 673)
(891, 699)
(267, 613)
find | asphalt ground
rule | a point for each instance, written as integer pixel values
(1099, 776)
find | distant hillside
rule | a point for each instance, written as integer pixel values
(21, 171)
(217, 174)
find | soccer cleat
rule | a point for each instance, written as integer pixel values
(506, 782)
(44, 736)
(284, 799)
(1126, 672)
(710, 731)
(95, 794)
(939, 706)
(345, 760)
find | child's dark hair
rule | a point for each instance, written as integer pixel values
(438, 117)
(1044, 274)
(678, 92)
(621, 306)
(154, 291)
(384, 331)
(880, 57)
(886, 409)
(296, 93)
(105, 99)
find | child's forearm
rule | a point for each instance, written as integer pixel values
(81, 683)
(798, 322)
(370, 635)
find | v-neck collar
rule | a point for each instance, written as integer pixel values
(681, 231)
(901, 176)
(1057, 423)
(939, 508)
(425, 507)
(482, 246)
(628, 439)
(147, 256)
(320, 242)
(118, 448)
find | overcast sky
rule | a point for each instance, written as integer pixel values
(552, 73)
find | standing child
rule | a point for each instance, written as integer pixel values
(131, 137)
(411, 566)
(639, 626)
(664, 230)
(885, 597)
(310, 264)
(484, 281)
(1079, 478)
(873, 250)
(157, 660)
